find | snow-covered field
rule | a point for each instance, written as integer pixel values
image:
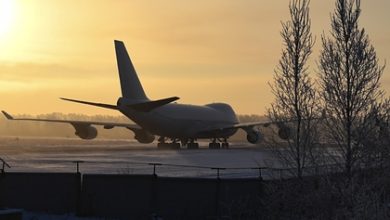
(129, 157)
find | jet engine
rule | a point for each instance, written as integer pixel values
(143, 136)
(86, 132)
(284, 132)
(254, 137)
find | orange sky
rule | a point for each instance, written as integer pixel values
(202, 51)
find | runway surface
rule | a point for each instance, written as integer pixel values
(129, 157)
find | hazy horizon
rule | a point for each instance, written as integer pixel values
(201, 51)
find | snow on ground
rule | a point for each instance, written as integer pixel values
(129, 157)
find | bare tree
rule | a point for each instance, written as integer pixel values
(349, 76)
(295, 97)
(375, 152)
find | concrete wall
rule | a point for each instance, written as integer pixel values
(129, 196)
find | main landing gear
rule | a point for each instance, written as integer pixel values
(192, 144)
(175, 144)
(216, 145)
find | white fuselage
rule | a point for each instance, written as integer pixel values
(185, 121)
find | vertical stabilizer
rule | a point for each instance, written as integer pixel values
(130, 84)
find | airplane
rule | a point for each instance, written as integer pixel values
(176, 124)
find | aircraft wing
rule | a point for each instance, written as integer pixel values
(107, 125)
(244, 126)
(267, 123)
(253, 124)
(250, 124)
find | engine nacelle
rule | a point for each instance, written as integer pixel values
(86, 132)
(254, 137)
(143, 136)
(284, 132)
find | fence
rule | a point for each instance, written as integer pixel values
(126, 195)
(4, 165)
(167, 169)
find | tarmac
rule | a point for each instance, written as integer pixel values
(129, 157)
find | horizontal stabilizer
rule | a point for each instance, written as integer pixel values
(102, 105)
(150, 105)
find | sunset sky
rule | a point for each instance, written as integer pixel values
(202, 51)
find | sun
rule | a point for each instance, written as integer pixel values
(7, 15)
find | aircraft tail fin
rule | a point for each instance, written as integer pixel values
(130, 85)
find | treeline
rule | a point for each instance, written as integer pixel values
(65, 130)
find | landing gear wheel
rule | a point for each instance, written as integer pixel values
(168, 146)
(214, 145)
(193, 146)
(225, 145)
(175, 146)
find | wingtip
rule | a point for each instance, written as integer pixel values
(8, 116)
(66, 99)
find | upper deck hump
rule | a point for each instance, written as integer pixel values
(210, 112)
